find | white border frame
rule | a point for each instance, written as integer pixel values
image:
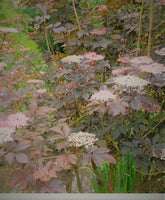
(82, 196)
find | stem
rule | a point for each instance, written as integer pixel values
(150, 27)
(101, 121)
(47, 42)
(131, 6)
(154, 127)
(3, 39)
(140, 28)
(76, 15)
(78, 179)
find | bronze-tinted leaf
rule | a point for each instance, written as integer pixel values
(21, 158)
(97, 159)
(62, 145)
(72, 158)
(109, 158)
(9, 157)
(87, 158)
(22, 146)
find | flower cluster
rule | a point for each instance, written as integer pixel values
(35, 81)
(161, 52)
(130, 81)
(93, 56)
(72, 59)
(153, 68)
(98, 31)
(44, 174)
(5, 134)
(17, 120)
(124, 60)
(141, 60)
(122, 70)
(103, 95)
(41, 91)
(82, 139)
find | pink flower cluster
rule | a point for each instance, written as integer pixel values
(17, 120)
(124, 60)
(44, 174)
(153, 68)
(41, 91)
(98, 31)
(93, 56)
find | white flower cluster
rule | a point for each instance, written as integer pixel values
(103, 95)
(130, 81)
(162, 155)
(5, 134)
(35, 81)
(161, 52)
(72, 59)
(121, 70)
(82, 139)
(140, 60)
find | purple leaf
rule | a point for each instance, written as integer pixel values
(9, 157)
(21, 158)
(62, 145)
(57, 186)
(66, 130)
(33, 107)
(136, 103)
(101, 150)
(56, 129)
(22, 146)
(2, 153)
(109, 158)
(117, 109)
(87, 158)
(97, 159)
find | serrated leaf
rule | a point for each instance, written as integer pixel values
(109, 158)
(9, 157)
(21, 158)
(21, 146)
(56, 129)
(62, 145)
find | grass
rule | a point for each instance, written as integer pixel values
(123, 179)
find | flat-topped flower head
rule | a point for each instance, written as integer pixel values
(6, 134)
(97, 31)
(103, 95)
(73, 59)
(82, 139)
(34, 81)
(93, 56)
(153, 68)
(161, 52)
(130, 81)
(17, 120)
(140, 60)
(124, 60)
(41, 91)
(122, 70)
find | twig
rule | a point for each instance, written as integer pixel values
(140, 27)
(150, 27)
(76, 15)
(154, 127)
